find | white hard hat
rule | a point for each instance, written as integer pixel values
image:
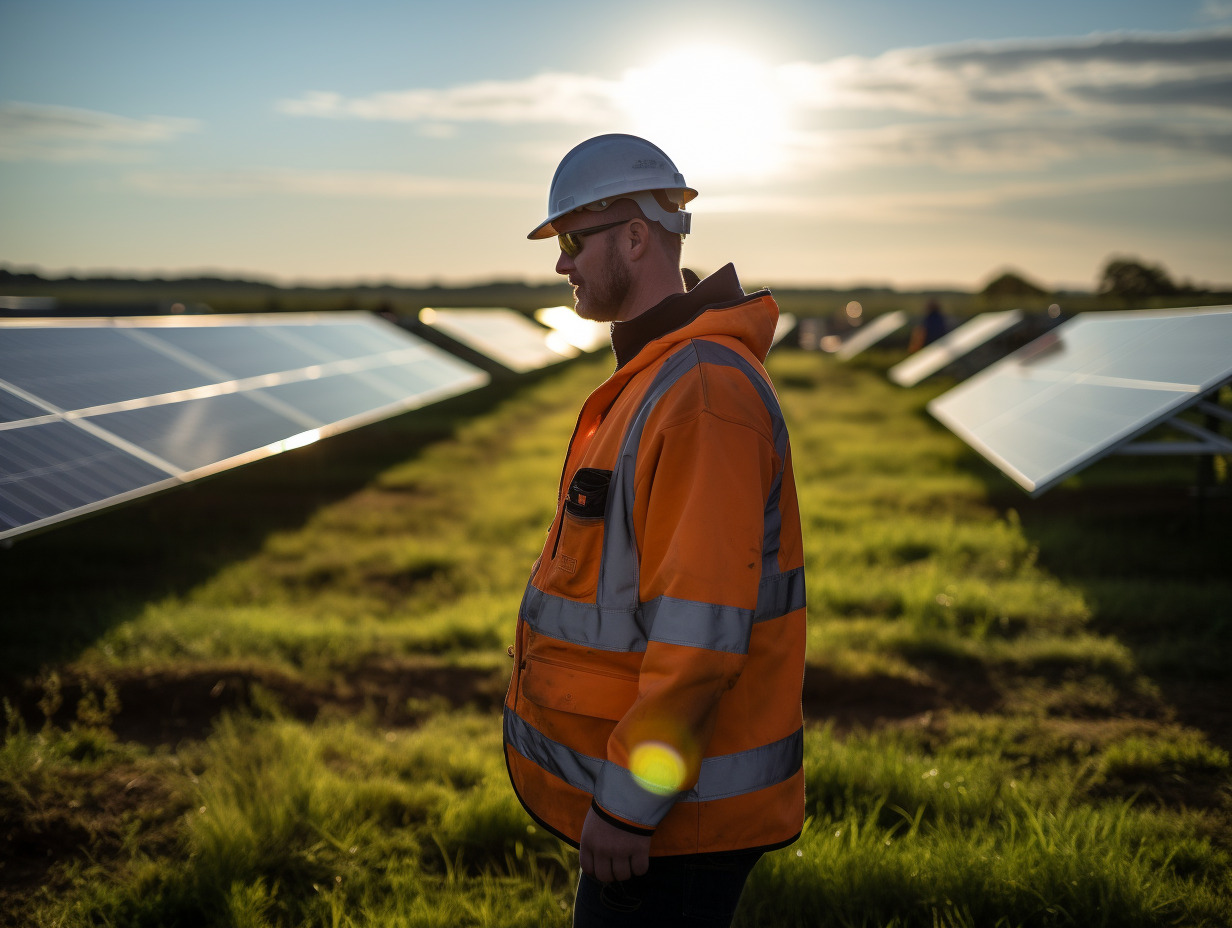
(608, 167)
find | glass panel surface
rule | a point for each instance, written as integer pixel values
(237, 351)
(14, 408)
(349, 339)
(1053, 413)
(52, 469)
(198, 433)
(75, 368)
(505, 336)
(331, 399)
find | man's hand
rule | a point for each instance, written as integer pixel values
(610, 853)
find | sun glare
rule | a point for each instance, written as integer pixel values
(717, 112)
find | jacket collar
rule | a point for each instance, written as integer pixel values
(674, 312)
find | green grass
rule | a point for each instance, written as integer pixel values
(269, 700)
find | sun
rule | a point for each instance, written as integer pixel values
(718, 113)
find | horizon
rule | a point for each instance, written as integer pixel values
(881, 146)
(214, 274)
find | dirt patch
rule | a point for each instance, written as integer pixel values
(82, 815)
(163, 706)
(166, 705)
(871, 700)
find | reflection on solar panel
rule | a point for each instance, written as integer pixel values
(952, 346)
(94, 412)
(571, 330)
(865, 337)
(783, 327)
(503, 335)
(1089, 387)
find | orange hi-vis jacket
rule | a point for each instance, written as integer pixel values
(660, 642)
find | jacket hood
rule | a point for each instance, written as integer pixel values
(716, 306)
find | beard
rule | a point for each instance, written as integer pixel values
(604, 295)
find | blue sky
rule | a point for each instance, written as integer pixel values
(901, 143)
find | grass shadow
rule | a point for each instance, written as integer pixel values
(66, 587)
(1151, 561)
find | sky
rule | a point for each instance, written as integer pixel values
(887, 142)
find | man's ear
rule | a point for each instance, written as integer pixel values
(637, 234)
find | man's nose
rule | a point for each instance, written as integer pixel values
(564, 264)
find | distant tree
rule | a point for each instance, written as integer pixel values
(1011, 284)
(1131, 278)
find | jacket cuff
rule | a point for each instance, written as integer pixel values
(619, 793)
(617, 823)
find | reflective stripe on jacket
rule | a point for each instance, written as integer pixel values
(660, 642)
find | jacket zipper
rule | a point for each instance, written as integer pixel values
(560, 489)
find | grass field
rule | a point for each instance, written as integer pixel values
(271, 699)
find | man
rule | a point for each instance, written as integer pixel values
(653, 719)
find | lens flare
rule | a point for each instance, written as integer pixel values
(657, 767)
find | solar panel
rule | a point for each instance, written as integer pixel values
(783, 327)
(868, 335)
(1089, 387)
(953, 345)
(94, 412)
(503, 335)
(570, 329)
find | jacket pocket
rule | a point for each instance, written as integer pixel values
(579, 542)
(568, 688)
(587, 496)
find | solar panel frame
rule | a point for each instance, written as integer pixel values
(956, 344)
(1100, 389)
(157, 434)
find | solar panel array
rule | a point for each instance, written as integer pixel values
(953, 345)
(94, 412)
(503, 335)
(1091, 386)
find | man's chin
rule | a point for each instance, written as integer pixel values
(583, 310)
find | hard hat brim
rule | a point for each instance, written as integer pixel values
(546, 229)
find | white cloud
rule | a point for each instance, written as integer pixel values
(571, 99)
(40, 132)
(929, 206)
(356, 184)
(1106, 73)
(969, 145)
(1215, 11)
(1109, 72)
(1018, 105)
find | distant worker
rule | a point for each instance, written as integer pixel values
(654, 720)
(930, 328)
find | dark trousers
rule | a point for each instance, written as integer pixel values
(691, 891)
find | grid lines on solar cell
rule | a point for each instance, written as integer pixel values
(54, 468)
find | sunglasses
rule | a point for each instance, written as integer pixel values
(571, 242)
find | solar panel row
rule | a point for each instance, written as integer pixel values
(94, 412)
(504, 335)
(953, 345)
(1088, 388)
(869, 334)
